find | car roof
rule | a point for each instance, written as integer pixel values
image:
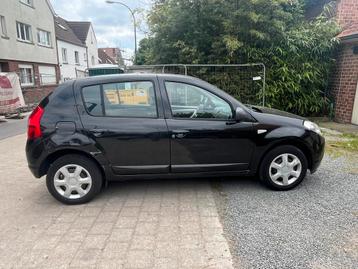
(103, 78)
(88, 81)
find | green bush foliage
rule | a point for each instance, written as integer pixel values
(297, 52)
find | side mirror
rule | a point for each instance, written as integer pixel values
(242, 115)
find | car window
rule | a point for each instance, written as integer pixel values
(188, 101)
(92, 100)
(130, 99)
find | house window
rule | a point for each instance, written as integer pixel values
(64, 56)
(23, 32)
(77, 57)
(28, 2)
(26, 75)
(92, 60)
(47, 75)
(3, 26)
(44, 38)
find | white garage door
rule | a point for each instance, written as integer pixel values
(47, 75)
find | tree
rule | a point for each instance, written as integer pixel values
(297, 52)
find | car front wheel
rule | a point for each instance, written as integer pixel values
(74, 179)
(283, 168)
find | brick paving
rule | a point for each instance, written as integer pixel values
(138, 224)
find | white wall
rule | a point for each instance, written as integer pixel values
(68, 70)
(91, 43)
(39, 16)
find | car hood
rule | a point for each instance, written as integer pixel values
(272, 111)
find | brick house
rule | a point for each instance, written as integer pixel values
(345, 74)
(28, 46)
(110, 56)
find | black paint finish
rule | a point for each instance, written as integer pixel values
(128, 148)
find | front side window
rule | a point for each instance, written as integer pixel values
(26, 75)
(23, 32)
(191, 102)
(3, 26)
(44, 38)
(64, 55)
(123, 99)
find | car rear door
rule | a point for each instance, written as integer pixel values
(203, 135)
(124, 117)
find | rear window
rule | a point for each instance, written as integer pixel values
(123, 99)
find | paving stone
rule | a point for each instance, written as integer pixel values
(126, 222)
(101, 228)
(143, 242)
(90, 211)
(47, 242)
(83, 223)
(166, 263)
(146, 228)
(75, 235)
(157, 224)
(132, 211)
(86, 258)
(121, 235)
(140, 259)
(94, 242)
(107, 217)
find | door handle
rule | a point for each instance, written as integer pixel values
(98, 132)
(179, 133)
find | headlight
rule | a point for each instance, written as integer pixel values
(309, 125)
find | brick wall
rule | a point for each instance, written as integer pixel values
(345, 77)
(347, 12)
(36, 93)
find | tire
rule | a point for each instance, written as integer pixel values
(74, 179)
(279, 174)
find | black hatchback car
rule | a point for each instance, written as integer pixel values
(142, 126)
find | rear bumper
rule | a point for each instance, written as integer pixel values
(34, 155)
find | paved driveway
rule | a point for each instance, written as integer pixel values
(151, 224)
(313, 226)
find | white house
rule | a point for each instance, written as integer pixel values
(72, 52)
(28, 45)
(85, 32)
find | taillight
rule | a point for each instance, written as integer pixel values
(34, 129)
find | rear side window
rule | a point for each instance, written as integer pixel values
(92, 100)
(123, 99)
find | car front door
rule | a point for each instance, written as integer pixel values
(203, 135)
(125, 119)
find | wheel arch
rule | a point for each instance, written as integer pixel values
(46, 163)
(296, 142)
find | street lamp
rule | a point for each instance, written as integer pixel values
(134, 22)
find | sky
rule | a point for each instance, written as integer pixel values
(112, 23)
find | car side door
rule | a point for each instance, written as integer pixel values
(124, 119)
(204, 136)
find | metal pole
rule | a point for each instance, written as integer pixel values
(134, 24)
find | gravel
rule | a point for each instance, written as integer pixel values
(313, 226)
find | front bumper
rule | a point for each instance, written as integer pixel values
(318, 145)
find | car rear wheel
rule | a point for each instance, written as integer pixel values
(74, 179)
(283, 168)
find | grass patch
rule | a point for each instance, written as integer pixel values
(351, 145)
